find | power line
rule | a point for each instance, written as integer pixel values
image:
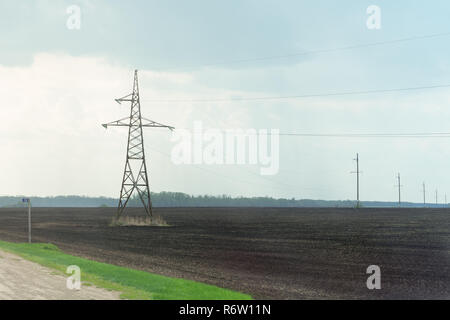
(318, 51)
(332, 94)
(369, 135)
(351, 135)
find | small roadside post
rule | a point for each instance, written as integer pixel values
(27, 200)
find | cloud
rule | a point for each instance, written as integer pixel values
(51, 132)
(52, 141)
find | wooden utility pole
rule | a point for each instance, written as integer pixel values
(357, 180)
(399, 192)
(423, 188)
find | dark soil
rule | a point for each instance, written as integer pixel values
(270, 253)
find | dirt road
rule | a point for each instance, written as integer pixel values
(24, 280)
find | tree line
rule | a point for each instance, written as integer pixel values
(179, 199)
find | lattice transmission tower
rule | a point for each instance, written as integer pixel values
(135, 176)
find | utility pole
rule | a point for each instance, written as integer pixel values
(423, 188)
(399, 186)
(135, 175)
(27, 200)
(445, 203)
(357, 180)
(436, 197)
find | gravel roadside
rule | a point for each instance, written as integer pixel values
(21, 279)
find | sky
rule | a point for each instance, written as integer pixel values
(58, 86)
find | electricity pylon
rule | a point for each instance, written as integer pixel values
(135, 179)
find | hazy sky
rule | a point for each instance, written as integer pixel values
(58, 86)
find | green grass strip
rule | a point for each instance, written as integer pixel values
(133, 284)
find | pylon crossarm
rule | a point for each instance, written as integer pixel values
(150, 123)
(125, 122)
(125, 98)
